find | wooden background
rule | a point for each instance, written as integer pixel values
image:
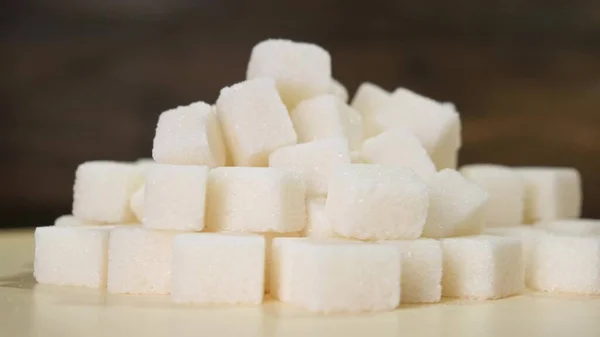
(83, 80)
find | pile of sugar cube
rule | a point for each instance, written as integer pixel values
(283, 188)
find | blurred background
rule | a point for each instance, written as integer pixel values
(87, 79)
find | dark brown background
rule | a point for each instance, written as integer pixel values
(83, 80)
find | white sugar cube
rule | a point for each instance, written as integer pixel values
(139, 261)
(529, 237)
(456, 206)
(75, 255)
(578, 227)
(373, 202)
(551, 193)
(313, 162)
(255, 199)
(218, 268)
(136, 203)
(399, 147)
(506, 191)
(356, 157)
(301, 70)
(254, 121)
(175, 197)
(189, 135)
(318, 225)
(482, 267)
(338, 89)
(421, 262)
(144, 164)
(268, 253)
(436, 124)
(336, 275)
(369, 98)
(568, 264)
(71, 221)
(102, 191)
(327, 116)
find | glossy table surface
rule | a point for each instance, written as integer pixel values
(27, 309)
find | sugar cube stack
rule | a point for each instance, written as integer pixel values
(506, 191)
(336, 275)
(281, 187)
(327, 116)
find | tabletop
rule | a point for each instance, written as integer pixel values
(29, 309)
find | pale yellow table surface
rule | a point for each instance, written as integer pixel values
(27, 309)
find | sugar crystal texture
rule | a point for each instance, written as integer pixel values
(139, 261)
(102, 191)
(69, 220)
(336, 275)
(72, 255)
(300, 70)
(189, 135)
(255, 199)
(436, 124)
(506, 191)
(136, 203)
(577, 227)
(318, 225)
(401, 148)
(456, 206)
(482, 267)
(564, 263)
(175, 197)
(313, 162)
(213, 268)
(529, 237)
(268, 253)
(551, 193)
(338, 89)
(368, 99)
(421, 262)
(327, 116)
(254, 120)
(374, 202)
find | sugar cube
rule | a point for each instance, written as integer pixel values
(529, 237)
(369, 98)
(143, 164)
(569, 264)
(506, 191)
(578, 227)
(254, 121)
(175, 197)
(136, 203)
(338, 89)
(455, 206)
(399, 147)
(336, 275)
(551, 193)
(268, 253)
(102, 191)
(437, 125)
(356, 157)
(73, 255)
(218, 268)
(139, 261)
(313, 162)
(318, 225)
(482, 267)
(189, 135)
(301, 70)
(421, 262)
(327, 116)
(374, 202)
(71, 221)
(255, 199)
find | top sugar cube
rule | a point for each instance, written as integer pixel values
(301, 70)
(102, 191)
(189, 135)
(254, 120)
